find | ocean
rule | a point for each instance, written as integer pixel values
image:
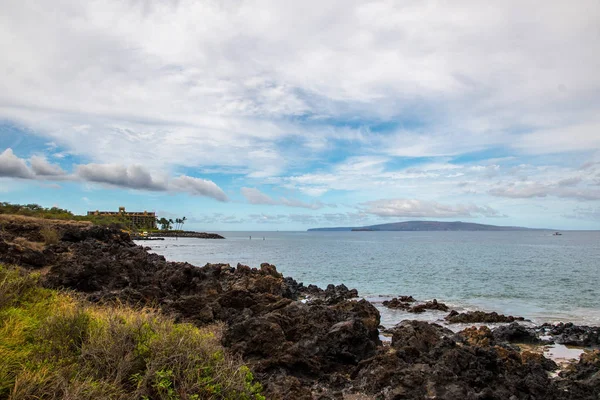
(532, 274)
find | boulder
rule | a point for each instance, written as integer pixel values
(474, 317)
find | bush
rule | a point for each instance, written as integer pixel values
(53, 345)
(50, 235)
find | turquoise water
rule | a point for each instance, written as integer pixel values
(532, 273)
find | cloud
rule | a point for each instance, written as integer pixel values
(137, 177)
(359, 101)
(570, 181)
(255, 196)
(41, 167)
(14, 167)
(134, 176)
(588, 213)
(198, 186)
(202, 94)
(526, 190)
(38, 168)
(131, 177)
(412, 208)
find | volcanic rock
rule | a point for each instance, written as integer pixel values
(573, 335)
(430, 305)
(515, 333)
(473, 317)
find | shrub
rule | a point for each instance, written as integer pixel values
(53, 345)
(50, 235)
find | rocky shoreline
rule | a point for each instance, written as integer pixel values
(303, 342)
(186, 234)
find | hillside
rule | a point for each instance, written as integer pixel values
(426, 226)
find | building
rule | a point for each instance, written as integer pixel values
(138, 219)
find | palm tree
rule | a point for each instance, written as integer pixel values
(182, 222)
(165, 224)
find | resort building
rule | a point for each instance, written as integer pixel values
(139, 219)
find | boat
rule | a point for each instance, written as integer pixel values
(557, 234)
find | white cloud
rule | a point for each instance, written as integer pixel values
(412, 208)
(588, 213)
(255, 196)
(198, 186)
(118, 175)
(41, 167)
(137, 177)
(14, 167)
(524, 190)
(118, 79)
(133, 176)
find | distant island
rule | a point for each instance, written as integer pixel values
(425, 226)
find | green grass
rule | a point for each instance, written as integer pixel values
(56, 346)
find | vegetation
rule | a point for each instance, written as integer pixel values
(167, 224)
(54, 345)
(35, 210)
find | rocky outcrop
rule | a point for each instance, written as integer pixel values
(430, 305)
(311, 343)
(396, 304)
(515, 333)
(404, 303)
(582, 379)
(425, 361)
(291, 345)
(186, 234)
(476, 317)
(574, 335)
(331, 295)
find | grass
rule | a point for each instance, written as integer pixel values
(24, 243)
(25, 219)
(53, 345)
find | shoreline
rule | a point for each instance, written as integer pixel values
(185, 234)
(304, 342)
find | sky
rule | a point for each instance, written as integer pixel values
(288, 115)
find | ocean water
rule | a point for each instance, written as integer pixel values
(533, 274)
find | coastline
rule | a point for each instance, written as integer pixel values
(524, 276)
(305, 342)
(186, 234)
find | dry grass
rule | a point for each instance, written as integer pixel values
(20, 241)
(5, 218)
(54, 346)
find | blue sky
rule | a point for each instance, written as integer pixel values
(270, 115)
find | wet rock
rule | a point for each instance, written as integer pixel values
(573, 335)
(331, 295)
(515, 333)
(396, 304)
(473, 317)
(430, 305)
(581, 380)
(425, 361)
